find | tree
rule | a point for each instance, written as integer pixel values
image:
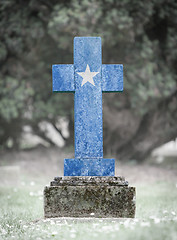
(141, 35)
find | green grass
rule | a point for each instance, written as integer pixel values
(21, 216)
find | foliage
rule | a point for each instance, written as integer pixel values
(36, 34)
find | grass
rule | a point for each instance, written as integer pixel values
(21, 201)
(21, 216)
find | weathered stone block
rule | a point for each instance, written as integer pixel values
(83, 196)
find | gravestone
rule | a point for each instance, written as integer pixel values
(89, 187)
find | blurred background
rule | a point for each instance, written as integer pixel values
(37, 125)
(141, 35)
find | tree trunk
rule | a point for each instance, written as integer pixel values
(155, 128)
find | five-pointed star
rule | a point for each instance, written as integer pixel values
(87, 76)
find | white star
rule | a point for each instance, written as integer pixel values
(87, 76)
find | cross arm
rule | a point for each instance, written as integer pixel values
(63, 78)
(112, 77)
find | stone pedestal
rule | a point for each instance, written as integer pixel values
(103, 197)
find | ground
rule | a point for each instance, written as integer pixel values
(24, 174)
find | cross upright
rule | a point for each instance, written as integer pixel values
(87, 78)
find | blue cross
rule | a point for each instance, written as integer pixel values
(87, 78)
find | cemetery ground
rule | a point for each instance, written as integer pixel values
(24, 174)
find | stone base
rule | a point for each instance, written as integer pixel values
(89, 167)
(106, 197)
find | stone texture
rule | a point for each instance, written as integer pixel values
(88, 105)
(88, 99)
(89, 167)
(63, 78)
(84, 181)
(112, 77)
(89, 197)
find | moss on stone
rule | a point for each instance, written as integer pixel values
(80, 200)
